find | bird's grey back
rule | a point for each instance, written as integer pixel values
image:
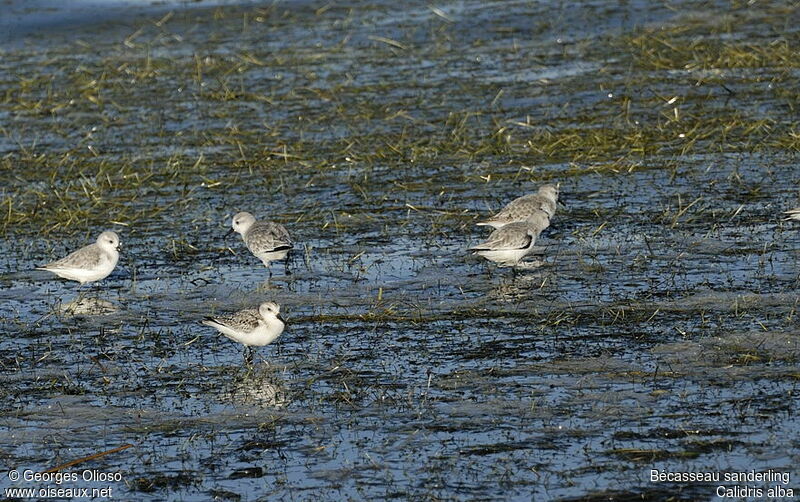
(243, 320)
(522, 207)
(511, 236)
(86, 257)
(267, 236)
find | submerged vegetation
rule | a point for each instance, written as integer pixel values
(659, 334)
(179, 97)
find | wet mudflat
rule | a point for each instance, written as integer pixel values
(660, 333)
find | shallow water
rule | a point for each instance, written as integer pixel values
(660, 332)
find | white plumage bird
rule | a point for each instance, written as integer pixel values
(89, 263)
(522, 208)
(268, 241)
(509, 244)
(251, 327)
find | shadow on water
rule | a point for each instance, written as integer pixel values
(658, 332)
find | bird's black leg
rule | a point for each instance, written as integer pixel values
(286, 263)
(82, 292)
(248, 355)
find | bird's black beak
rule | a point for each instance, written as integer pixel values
(229, 233)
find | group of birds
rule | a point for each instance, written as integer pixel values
(267, 240)
(516, 228)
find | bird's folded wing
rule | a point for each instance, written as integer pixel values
(269, 236)
(245, 320)
(87, 257)
(520, 207)
(505, 238)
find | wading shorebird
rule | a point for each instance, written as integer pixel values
(508, 244)
(268, 241)
(521, 208)
(89, 263)
(251, 327)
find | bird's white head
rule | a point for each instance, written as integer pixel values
(108, 240)
(242, 222)
(270, 311)
(549, 191)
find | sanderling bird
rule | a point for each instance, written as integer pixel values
(251, 327)
(793, 214)
(523, 207)
(89, 263)
(268, 241)
(508, 244)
